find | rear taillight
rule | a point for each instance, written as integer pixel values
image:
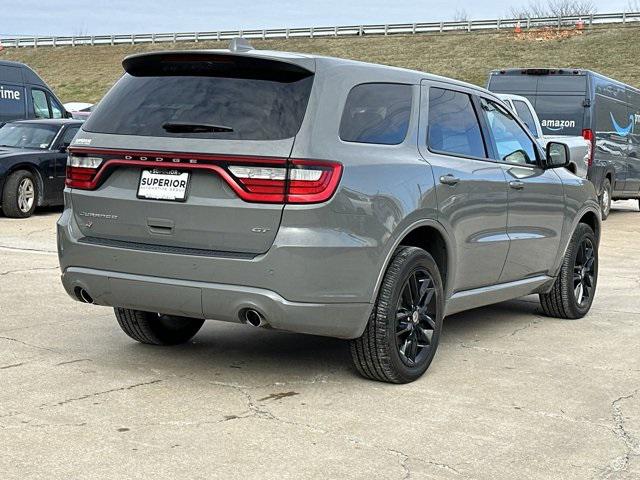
(312, 181)
(82, 170)
(588, 135)
(253, 179)
(304, 181)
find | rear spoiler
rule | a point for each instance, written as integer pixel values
(239, 64)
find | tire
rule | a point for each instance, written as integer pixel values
(378, 354)
(157, 329)
(605, 199)
(564, 300)
(20, 195)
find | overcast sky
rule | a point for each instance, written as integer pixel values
(94, 17)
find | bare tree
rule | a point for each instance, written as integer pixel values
(555, 8)
(633, 6)
(460, 15)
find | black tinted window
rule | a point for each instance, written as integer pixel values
(377, 113)
(453, 124)
(68, 135)
(248, 108)
(560, 114)
(525, 115)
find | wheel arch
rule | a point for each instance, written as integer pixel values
(590, 215)
(31, 167)
(432, 237)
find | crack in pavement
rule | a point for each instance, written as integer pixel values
(97, 394)
(632, 445)
(28, 270)
(12, 365)
(28, 344)
(542, 359)
(29, 250)
(260, 411)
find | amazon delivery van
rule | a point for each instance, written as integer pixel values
(581, 102)
(24, 95)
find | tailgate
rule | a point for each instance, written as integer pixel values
(190, 150)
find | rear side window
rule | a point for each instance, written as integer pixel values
(525, 115)
(230, 98)
(377, 113)
(453, 124)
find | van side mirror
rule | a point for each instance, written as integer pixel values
(557, 155)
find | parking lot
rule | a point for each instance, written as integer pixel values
(511, 394)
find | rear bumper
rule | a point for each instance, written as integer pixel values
(321, 287)
(216, 301)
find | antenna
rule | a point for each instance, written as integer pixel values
(239, 44)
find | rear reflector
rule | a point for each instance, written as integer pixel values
(253, 179)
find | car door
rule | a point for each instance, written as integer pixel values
(471, 189)
(60, 161)
(535, 196)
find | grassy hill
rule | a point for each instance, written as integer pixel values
(85, 73)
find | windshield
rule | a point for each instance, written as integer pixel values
(27, 135)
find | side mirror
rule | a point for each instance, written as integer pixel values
(557, 155)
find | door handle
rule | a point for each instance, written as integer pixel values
(516, 184)
(449, 179)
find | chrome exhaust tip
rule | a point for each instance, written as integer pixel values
(83, 295)
(254, 318)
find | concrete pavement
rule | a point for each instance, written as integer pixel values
(510, 394)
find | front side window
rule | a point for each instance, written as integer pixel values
(524, 112)
(40, 105)
(512, 143)
(377, 113)
(453, 124)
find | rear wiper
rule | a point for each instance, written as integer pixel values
(178, 127)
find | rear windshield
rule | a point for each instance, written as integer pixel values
(560, 114)
(230, 104)
(557, 99)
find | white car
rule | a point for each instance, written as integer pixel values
(579, 148)
(79, 110)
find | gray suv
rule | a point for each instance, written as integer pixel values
(321, 196)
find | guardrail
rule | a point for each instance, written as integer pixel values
(337, 31)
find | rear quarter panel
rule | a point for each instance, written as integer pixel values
(384, 190)
(580, 198)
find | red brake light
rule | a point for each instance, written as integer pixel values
(312, 181)
(82, 170)
(588, 135)
(254, 179)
